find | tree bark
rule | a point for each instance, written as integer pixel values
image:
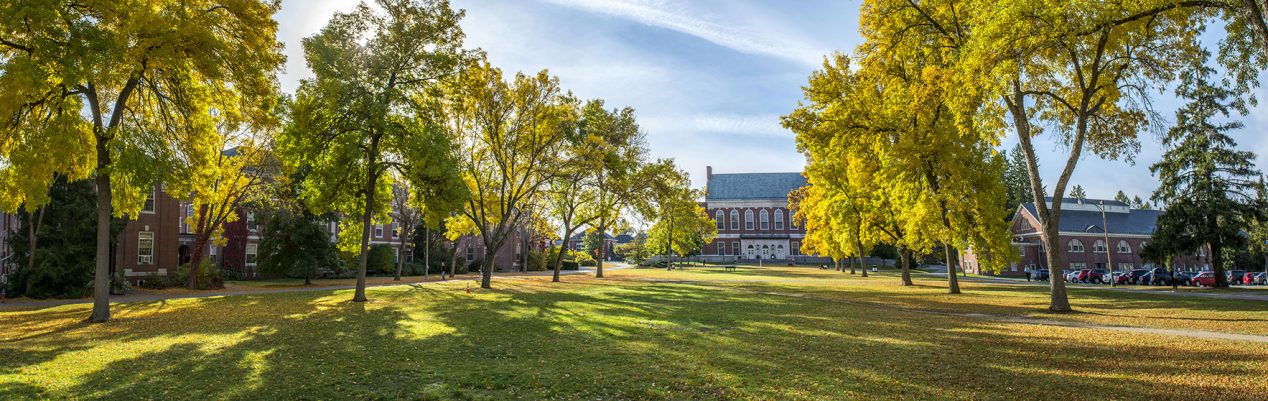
(1056, 278)
(101, 275)
(598, 273)
(366, 222)
(858, 247)
(486, 268)
(559, 256)
(1217, 265)
(426, 252)
(953, 283)
(851, 260)
(905, 255)
(202, 235)
(400, 254)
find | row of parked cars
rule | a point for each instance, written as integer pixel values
(1155, 276)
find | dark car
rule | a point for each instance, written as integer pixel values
(1234, 277)
(1156, 276)
(1183, 278)
(1133, 277)
(1039, 274)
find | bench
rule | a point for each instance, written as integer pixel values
(729, 267)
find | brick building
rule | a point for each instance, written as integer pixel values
(752, 216)
(1082, 239)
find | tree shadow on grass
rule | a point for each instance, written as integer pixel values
(592, 341)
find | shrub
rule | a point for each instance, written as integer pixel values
(536, 261)
(569, 265)
(381, 259)
(474, 266)
(209, 276)
(582, 258)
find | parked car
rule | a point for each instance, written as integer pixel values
(1260, 278)
(1183, 278)
(1083, 276)
(1122, 278)
(1039, 274)
(1095, 276)
(1247, 279)
(1133, 277)
(1204, 279)
(1156, 276)
(1234, 277)
(1072, 276)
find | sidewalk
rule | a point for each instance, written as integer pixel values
(139, 295)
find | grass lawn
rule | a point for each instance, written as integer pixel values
(641, 334)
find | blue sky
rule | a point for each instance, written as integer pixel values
(709, 79)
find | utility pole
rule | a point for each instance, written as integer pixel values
(1109, 260)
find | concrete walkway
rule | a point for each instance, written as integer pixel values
(158, 295)
(1244, 296)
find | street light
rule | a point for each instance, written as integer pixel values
(1109, 259)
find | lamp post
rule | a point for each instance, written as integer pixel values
(1109, 260)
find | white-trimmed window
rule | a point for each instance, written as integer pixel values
(735, 220)
(1078, 265)
(735, 248)
(1099, 247)
(470, 253)
(378, 231)
(1075, 246)
(1124, 247)
(252, 250)
(1021, 250)
(212, 249)
(189, 214)
(251, 221)
(149, 202)
(765, 219)
(722, 248)
(721, 220)
(1126, 266)
(748, 220)
(145, 248)
(779, 220)
(750, 250)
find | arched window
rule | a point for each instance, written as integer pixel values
(721, 220)
(750, 250)
(1124, 247)
(1100, 247)
(779, 219)
(748, 219)
(735, 220)
(765, 220)
(1075, 246)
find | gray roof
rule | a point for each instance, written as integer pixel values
(769, 186)
(1070, 201)
(1137, 221)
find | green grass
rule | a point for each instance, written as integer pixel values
(623, 338)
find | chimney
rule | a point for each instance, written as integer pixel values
(708, 173)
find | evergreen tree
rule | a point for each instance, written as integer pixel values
(298, 245)
(64, 252)
(1016, 180)
(1207, 185)
(1122, 198)
(1078, 193)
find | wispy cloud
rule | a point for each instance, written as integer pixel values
(729, 34)
(762, 124)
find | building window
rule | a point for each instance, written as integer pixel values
(1021, 250)
(251, 221)
(1126, 266)
(252, 249)
(1075, 246)
(470, 253)
(779, 220)
(1078, 265)
(722, 248)
(765, 220)
(721, 220)
(750, 250)
(735, 248)
(212, 249)
(735, 220)
(149, 202)
(378, 231)
(189, 215)
(748, 219)
(1099, 247)
(1124, 247)
(145, 248)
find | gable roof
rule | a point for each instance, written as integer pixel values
(1136, 221)
(764, 186)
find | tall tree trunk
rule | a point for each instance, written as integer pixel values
(559, 256)
(426, 251)
(858, 247)
(33, 223)
(101, 274)
(1217, 264)
(400, 254)
(598, 273)
(953, 283)
(851, 260)
(905, 255)
(486, 268)
(202, 233)
(1059, 302)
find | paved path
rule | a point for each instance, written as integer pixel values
(1245, 296)
(1210, 335)
(149, 296)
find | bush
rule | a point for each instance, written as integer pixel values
(569, 265)
(582, 258)
(474, 266)
(536, 261)
(381, 259)
(209, 277)
(119, 285)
